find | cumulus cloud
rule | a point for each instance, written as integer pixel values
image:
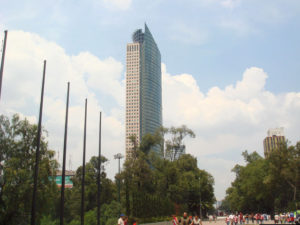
(228, 121)
(90, 78)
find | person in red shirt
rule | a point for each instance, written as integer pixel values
(227, 220)
(174, 220)
(241, 218)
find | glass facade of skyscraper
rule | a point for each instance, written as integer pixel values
(151, 108)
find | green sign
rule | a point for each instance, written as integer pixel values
(68, 182)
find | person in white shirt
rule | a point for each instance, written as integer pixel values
(231, 218)
(196, 221)
(276, 218)
(121, 219)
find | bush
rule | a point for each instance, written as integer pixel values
(111, 221)
(74, 222)
(47, 220)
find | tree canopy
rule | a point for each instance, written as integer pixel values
(266, 184)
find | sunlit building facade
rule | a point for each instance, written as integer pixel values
(143, 88)
(273, 140)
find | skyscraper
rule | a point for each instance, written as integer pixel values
(143, 87)
(274, 139)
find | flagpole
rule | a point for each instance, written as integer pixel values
(37, 154)
(99, 174)
(83, 166)
(62, 197)
(2, 60)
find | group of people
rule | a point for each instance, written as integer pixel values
(234, 219)
(123, 220)
(284, 218)
(186, 220)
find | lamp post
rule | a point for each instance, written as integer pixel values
(119, 156)
(200, 197)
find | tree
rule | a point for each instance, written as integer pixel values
(175, 146)
(18, 139)
(284, 164)
(73, 196)
(265, 185)
(150, 180)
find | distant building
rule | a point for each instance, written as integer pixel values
(272, 141)
(143, 88)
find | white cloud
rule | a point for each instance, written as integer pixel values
(118, 4)
(230, 3)
(90, 78)
(228, 121)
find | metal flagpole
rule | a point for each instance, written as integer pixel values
(62, 197)
(99, 174)
(2, 60)
(83, 166)
(37, 155)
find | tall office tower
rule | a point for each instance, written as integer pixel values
(143, 88)
(275, 137)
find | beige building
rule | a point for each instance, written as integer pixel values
(273, 140)
(132, 95)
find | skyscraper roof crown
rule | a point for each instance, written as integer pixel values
(138, 36)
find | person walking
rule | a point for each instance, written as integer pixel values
(174, 220)
(231, 218)
(252, 218)
(227, 220)
(236, 219)
(247, 218)
(276, 218)
(241, 218)
(185, 220)
(210, 218)
(196, 220)
(121, 220)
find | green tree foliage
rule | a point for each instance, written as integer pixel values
(156, 186)
(266, 184)
(73, 196)
(174, 145)
(18, 139)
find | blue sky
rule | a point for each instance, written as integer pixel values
(210, 39)
(230, 69)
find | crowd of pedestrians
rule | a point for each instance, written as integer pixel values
(231, 219)
(184, 220)
(240, 218)
(284, 218)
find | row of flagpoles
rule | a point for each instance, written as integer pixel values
(36, 169)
